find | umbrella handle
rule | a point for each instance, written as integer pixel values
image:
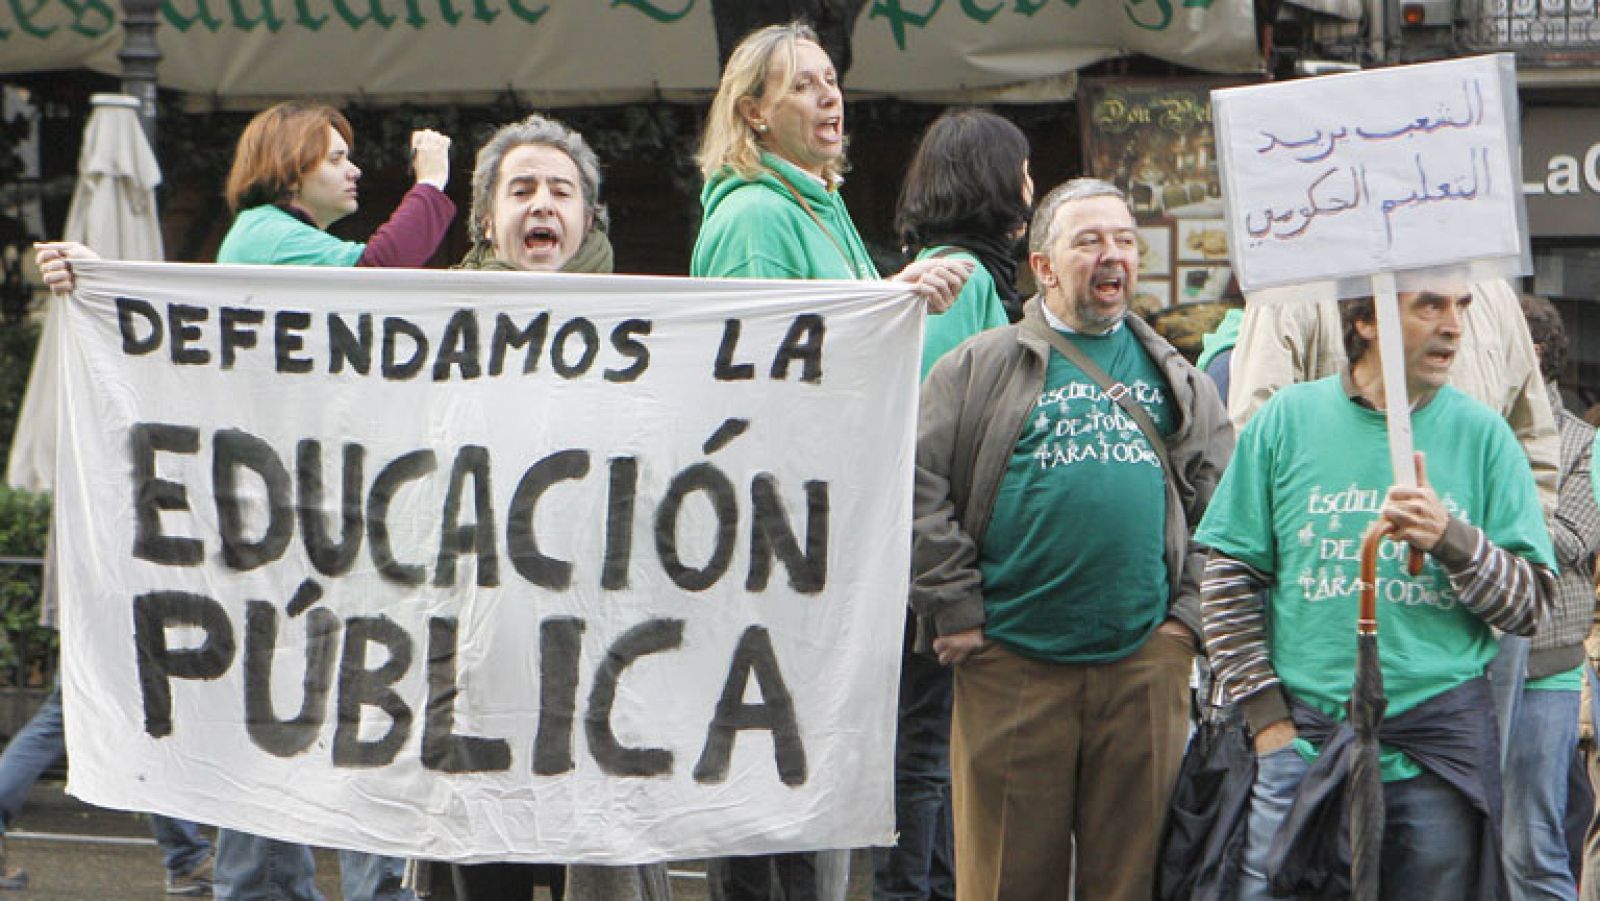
(1367, 611)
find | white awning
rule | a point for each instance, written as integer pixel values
(250, 52)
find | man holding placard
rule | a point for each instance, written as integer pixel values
(1284, 526)
(1283, 343)
(1407, 203)
(1060, 462)
(1496, 364)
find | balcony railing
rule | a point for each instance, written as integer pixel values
(1548, 32)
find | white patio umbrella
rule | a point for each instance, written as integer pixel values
(113, 212)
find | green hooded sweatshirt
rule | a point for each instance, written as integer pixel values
(758, 229)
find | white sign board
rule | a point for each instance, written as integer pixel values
(1393, 170)
(487, 566)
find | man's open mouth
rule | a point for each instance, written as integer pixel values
(541, 239)
(1107, 286)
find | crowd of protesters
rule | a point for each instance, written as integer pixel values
(1088, 538)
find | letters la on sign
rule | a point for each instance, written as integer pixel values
(482, 566)
(1333, 178)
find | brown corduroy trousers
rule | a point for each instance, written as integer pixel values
(1047, 755)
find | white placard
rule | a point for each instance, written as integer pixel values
(576, 568)
(1408, 169)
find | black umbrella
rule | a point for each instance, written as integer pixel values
(1205, 834)
(1367, 704)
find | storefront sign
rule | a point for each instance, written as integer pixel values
(1561, 171)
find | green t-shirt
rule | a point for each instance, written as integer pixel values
(266, 235)
(1074, 561)
(976, 309)
(1308, 476)
(1569, 680)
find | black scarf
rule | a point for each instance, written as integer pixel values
(296, 212)
(998, 255)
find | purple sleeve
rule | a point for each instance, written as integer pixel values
(413, 231)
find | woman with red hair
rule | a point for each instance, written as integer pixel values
(292, 177)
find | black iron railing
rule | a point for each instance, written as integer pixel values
(1548, 31)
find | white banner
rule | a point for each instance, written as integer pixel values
(243, 52)
(487, 566)
(1408, 168)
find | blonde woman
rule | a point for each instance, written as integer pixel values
(773, 159)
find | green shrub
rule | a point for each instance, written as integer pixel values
(27, 649)
(18, 338)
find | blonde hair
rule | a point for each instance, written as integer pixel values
(729, 142)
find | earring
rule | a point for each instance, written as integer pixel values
(761, 128)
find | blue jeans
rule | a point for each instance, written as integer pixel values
(919, 867)
(182, 846)
(1430, 837)
(255, 868)
(1507, 674)
(365, 876)
(30, 752)
(1535, 779)
(38, 746)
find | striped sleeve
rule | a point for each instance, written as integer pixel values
(1503, 589)
(1233, 612)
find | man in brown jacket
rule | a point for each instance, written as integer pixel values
(1053, 564)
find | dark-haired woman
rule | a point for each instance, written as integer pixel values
(967, 196)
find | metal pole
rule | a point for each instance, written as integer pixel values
(139, 56)
(1396, 402)
(1378, 12)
